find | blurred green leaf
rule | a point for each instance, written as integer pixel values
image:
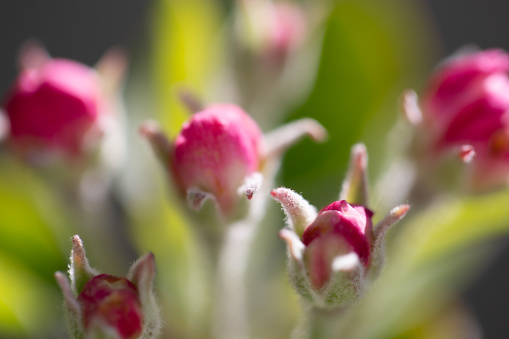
(453, 224)
(369, 55)
(33, 245)
(185, 53)
(30, 223)
(453, 321)
(28, 304)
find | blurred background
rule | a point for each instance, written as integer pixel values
(387, 48)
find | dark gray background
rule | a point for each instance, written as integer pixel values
(83, 30)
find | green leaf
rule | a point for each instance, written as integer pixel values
(28, 304)
(34, 243)
(32, 224)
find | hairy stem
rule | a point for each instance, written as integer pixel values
(230, 313)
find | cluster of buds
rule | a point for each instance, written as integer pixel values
(464, 110)
(335, 253)
(104, 306)
(221, 155)
(62, 109)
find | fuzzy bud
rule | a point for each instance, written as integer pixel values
(54, 106)
(215, 152)
(113, 302)
(338, 229)
(221, 155)
(102, 305)
(339, 252)
(464, 111)
(60, 112)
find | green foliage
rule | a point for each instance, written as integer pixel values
(32, 232)
(367, 58)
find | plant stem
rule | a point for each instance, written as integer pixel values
(323, 323)
(231, 305)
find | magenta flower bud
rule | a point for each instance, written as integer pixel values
(114, 301)
(468, 85)
(54, 105)
(217, 149)
(221, 155)
(60, 112)
(349, 226)
(101, 305)
(465, 107)
(335, 257)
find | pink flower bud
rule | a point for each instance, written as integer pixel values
(339, 252)
(465, 107)
(101, 305)
(221, 155)
(114, 301)
(54, 105)
(461, 85)
(217, 149)
(350, 229)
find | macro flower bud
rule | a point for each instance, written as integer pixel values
(54, 105)
(114, 301)
(102, 305)
(216, 151)
(464, 110)
(338, 229)
(59, 107)
(221, 154)
(338, 253)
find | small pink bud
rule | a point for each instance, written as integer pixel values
(114, 301)
(53, 105)
(466, 103)
(460, 82)
(346, 227)
(221, 155)
(217, 149)
(352, 222)
(98, 305)
(339, 251)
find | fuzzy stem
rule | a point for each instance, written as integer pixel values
(230, 309)
(230, 312)
(323, 323)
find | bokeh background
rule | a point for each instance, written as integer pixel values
(413, 37)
